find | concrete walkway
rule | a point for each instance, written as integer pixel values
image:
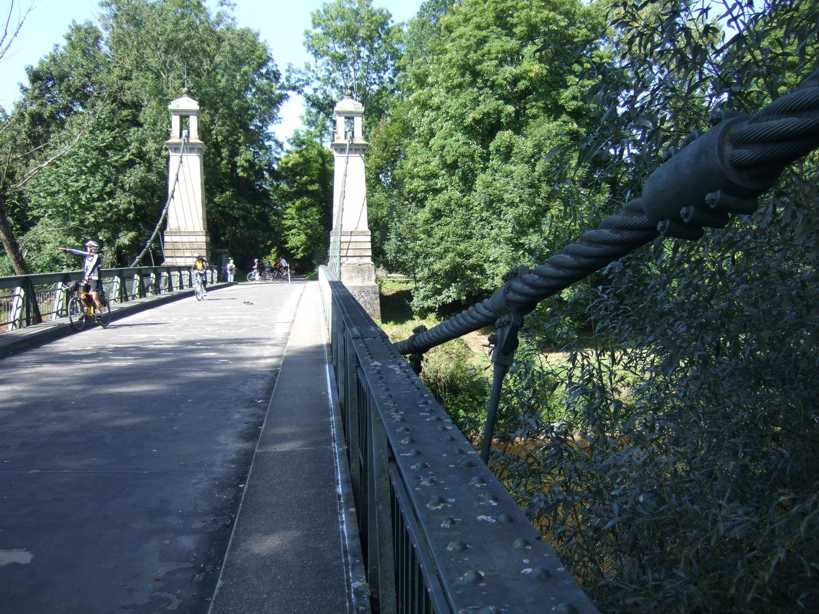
(285, 555)
(124, 455)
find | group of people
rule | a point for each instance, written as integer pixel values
(259, 267)
(92, 262)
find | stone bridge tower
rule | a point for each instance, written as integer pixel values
(350, 255)
(186, 234)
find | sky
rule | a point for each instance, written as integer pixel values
(281, 24)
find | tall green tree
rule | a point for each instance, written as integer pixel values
(481, 156)
(117, 83)
(355, 47)
(304, 195)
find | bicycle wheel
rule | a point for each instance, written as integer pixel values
(251, 276)
(76, 313)
(199, 290)
(103, 318)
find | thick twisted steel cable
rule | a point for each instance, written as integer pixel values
(783, 131)
(721, 172)
(619, 234)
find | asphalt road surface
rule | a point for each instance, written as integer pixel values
(123, 453)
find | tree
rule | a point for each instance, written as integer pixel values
(355, 48)
(11, 27)
(13, 159)
(671, 458)
(113, 185)
(304, 194)
(483, 165)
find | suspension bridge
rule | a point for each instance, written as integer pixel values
(269, 450)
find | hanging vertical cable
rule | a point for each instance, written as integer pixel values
(165, 208)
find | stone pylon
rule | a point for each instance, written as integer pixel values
(350, 255)
(186, 234)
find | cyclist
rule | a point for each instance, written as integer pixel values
(90, 269)
(200, 267)
(257, 269)
(283, 267)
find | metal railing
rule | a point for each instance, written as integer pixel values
(30, 299)
(719, 174)
(439, 532)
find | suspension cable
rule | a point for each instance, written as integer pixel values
(720, 173)
(167, 205)
(340, 214)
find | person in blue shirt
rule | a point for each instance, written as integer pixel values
(90, 268)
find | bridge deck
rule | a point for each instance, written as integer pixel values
(124, 455)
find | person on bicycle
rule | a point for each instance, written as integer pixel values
(200, 268)
(90, 269)
(257, 272)
(283, 266)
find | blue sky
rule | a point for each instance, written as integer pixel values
(281, 24)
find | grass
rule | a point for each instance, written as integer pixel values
(458, 373)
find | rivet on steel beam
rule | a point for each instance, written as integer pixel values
(436, 503)
(490, 500)
(539, 573)
(472, 577)
(457, 546)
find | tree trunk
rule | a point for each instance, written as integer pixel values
(12, 248)
(9, 241)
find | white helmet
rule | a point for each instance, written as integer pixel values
(91, 244)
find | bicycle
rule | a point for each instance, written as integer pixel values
(198, 287)
(268, 275)
(280, 273)
(81, 307)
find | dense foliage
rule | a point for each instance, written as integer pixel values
(461, 190)
(105, 93)
(355, 48)
(670, 452)
(304, 194)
